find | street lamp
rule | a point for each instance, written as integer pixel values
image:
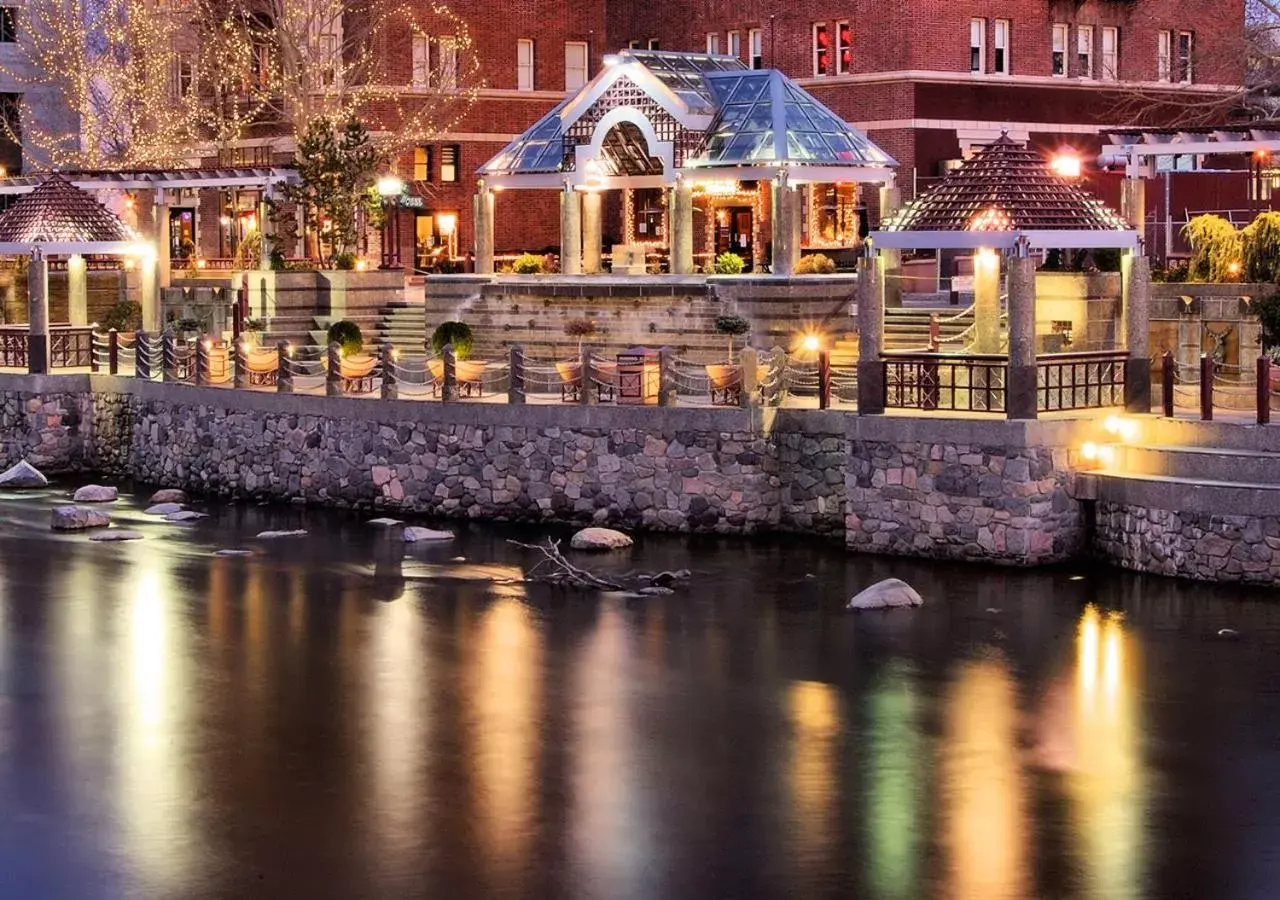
(1067, 165)
(390, 188)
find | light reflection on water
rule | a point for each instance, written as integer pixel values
(341, 717)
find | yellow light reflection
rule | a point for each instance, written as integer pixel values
(814, 710)
(982, 779)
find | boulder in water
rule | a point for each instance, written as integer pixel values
(22, 475)
(413, 535)
(168, 495)
(600, 539)
(892, 593)
(184, 515)
(272, 535)
(96, 493)
(385, 523)
(77, 518)
(116, 534)
(163, 509)
(234, 553)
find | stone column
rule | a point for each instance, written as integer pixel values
(682, 227)
(38, 314)
(484, 228)
(749, 359)
(1020, 402)
(149, 293)
(986, 301)
(333, 370)
(515, 381)
(1133, 203)
(266, 227)
(284, 374)
(164, 271)
(1136, 309)
(870, 337)
(785, 249)
(449, 383)
(570, 232)
(77, 290)
(591, 233)
(890, 203)
(587, 395)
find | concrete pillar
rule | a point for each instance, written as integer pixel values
(1136, 309)
(570, 232)
(591, 232)
(785, 248)
(890, 203)
(484, 229)
(77, 290)
(870, 337)
(267, 228)
(1020, 395)
(515, 383)
(749, 359)
(1133, 203)
(333, 370)
(38, 314)
(986, 301)
(164, 270)
(682, 227)
(149, 293)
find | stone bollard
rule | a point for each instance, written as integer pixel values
(113, 352)
(749, 395)
(1264, 390)
(515, 383)
(284, 377)
(666, 377)
(587, 395)
(389, 389)
(241, 363)
(168, 357)
(1167, 373)
(449, 387)
(202, 361)
(142, 356)
(237, 321)
(333, 371)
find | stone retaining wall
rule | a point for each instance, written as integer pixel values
(47, 420)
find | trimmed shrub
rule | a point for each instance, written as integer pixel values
(729, 264)
(580, 328)
(124, 316)
(732, 326)
(1215, 246)
(345, 261)
(456, 333)
(816, 264)
(1260, 248)
(346, 334)
(528, 264)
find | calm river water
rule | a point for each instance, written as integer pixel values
(341, 717)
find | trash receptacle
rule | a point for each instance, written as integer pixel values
(639, 376)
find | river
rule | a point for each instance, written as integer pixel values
(344, 716)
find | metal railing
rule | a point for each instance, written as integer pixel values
(70, 346)
(1090, 380)
(952, 382)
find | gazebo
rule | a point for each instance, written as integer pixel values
(680, 122)
(1008, 199)
(59, 219)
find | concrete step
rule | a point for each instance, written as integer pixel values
(1214, 463)
(1221, 435)
(1189, 496)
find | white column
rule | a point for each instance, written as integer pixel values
(570, 231)
(77, 290)
(161, 212)
(682, 227)
(986, 301)
(484, 228)
(591, 232)
(149, 293)
(38, 314)
(785, 250)
(890, 203)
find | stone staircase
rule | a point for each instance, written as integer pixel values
(404, 325)
(907, 328)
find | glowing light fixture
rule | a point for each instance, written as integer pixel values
(447, 222)
(1089, 451)
(1066, 165)
(389, 186)
(811, 343)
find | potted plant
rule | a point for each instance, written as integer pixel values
(125, 317)
(528, 264)
(468, 372)
(254, 327)
(729, 264)
(580, 328)
(347, 335)
(732, 326)
(816, 264)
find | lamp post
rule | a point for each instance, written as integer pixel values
(389, 189)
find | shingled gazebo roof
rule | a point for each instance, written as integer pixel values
(1006, 193)
(59, 217)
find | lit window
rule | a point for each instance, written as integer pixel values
(735, 44)
(421, 60)
(1164, 59)
(713, 43)
(821, 50)
(755, 48)
(449, 162)
(1059, 59)
(1084, 51)
(1184, 57)
(8, 24)
(524, 65)
(654, 44)
(844, 48)
(1110, 54)
(977, 45)
(421, 163)
(1001, 62)
(575, 65)
(327, 50)
(184, 73)
(446, 53)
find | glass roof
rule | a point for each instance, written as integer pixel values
(683, 74)
(540, 149)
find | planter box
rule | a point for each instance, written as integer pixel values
(327, 292)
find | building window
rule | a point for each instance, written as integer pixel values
(654, 44)
(327, 45)
(449, 154)
(1001, 61)
(977, 45)
(821, 50)
(734, 40)
(844, 48)
(1164, 59)
(446, 53)
(421, 60)
(524, 65)
(575, 65)
(8, 24)
(1110, 70)
(1183, 71)
(421, 163)
(184, 73)
(633, 45)
(1084, 51)
(713, 44)
(755, 48)
(1059, 59)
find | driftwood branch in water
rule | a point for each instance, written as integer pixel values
(555, 569)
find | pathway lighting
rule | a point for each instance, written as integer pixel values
(811, 343)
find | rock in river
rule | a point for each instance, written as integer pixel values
(96, 493)
(117, 534)
(77, 518)
(600, 539)
(163, 509)
(413, 535)
(168, 495)
(272, 535)
(184, 515)
(888, 594)
(385, 523)
(22, 475)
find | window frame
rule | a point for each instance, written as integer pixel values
(9, 24)
(420, 68)
(733, 43)
(755, 48)
(1109, 62)
(425, 167)
(1085, 51)
(821, 54)
(1058, 58)
(446, 70)
(977, 46)
(526, 69)
(1164, 56)
(1184, 63)
(999, 65)
(842, 26)
(585, 67)
(447, 151)
(653, 44)
(713, 43)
